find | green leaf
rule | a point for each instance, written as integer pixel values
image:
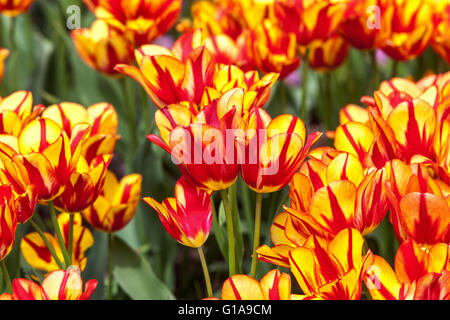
(134, 274)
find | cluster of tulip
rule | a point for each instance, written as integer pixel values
(59, 156)
(390, 158)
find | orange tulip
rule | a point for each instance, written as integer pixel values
(273, 286)
(329, 194)
(404, 120)
(188, 216)
(8, 221)
(4, 53)
(116, 204)
(419, 204)
(420, 274)
(334, 270)
(274, 149)
(37, 255)
(14, 8)
(102, 47)
(141, 20)
(58, 285)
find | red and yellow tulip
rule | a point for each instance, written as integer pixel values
(327, 55)
(45, 157)
(273, 50)
(13, 8)
(16, 111)
(362, 24)
(102, 47)
(273, 286)
(334, 270)
(84, 185)
(188, 216)
(419, 204)
(141, 20)
(36, 253)
(58, 285)
(441, 38)
(190, 74)
(309, 20)
(103, 119)
(411, 26)
(421, 273)
(329, 194)
(116, 204)
(8, 221)
(274, 149)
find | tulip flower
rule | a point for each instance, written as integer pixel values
(441, 39)
(273, 50)
(407, 122)
(274, 149)
(37, 254)
(420, 274)
(14, 8)
(309, 20)
(327, 55)
(58, 285)
(411, 27)
(362, 24)
(4, 53)
(116, 204)
(334, 270)
(327, 196)
(45, 157)
(141, 20)
(418, 203)
(189, 74)
(273, 286)
(16, 111)
(8, 221)
(188, 216)
(84, 185)
(102, 47)
(103, 120)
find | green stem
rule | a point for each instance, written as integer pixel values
(394, 68)
(376, 71)
(230, 231)
(257, 234)
(70, 244)
(303, 109)
(283, 97)
(47, 243)
(59, 235)
(13, 57)
(6, 277)
(146, 113)
(130, 114)
(110, 264)
(205, 272)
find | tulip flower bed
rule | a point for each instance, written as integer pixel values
(225, 149)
